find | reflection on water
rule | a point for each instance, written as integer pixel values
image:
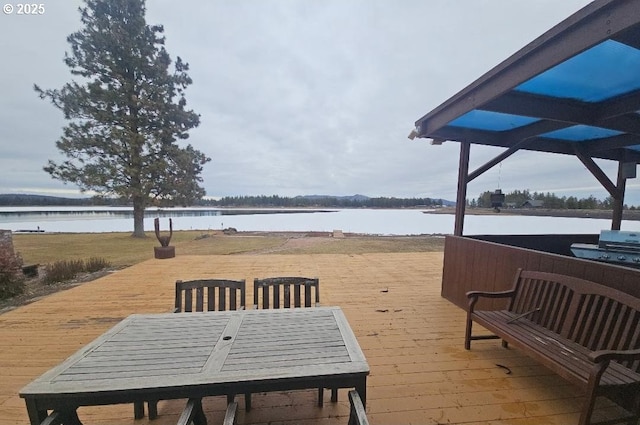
(364, 221)
(29, 215)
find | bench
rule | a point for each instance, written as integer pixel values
(587, 333)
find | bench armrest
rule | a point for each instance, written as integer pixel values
(608, 355)
(501, 294)
(474, 296)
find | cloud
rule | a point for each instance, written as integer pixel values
(303, 97)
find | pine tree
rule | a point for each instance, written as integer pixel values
(126, 112)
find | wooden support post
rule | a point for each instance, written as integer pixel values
(461, 199)
(618, 199)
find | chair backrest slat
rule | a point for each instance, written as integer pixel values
(200, 299)
(221, 295)
(275, 292)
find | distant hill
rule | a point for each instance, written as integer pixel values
(362, 198)
(325, 201)
(352, 198)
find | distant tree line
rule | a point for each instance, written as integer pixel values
(517, 198)
(357, 201)
(37, 200)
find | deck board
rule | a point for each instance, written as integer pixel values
(413, 340)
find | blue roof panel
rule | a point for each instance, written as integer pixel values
(491, 121)
(578, 82)
(581, 132)
(602, 72)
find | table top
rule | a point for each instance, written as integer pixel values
(155, 352)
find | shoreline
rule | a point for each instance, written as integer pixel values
(633, 215)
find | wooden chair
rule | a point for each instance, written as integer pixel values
(288, 292)
(214, 294)
(201, 295)
(357, 415)
(230, 415)
(61, 418)
(194, 415)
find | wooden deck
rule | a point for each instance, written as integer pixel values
(413, 340)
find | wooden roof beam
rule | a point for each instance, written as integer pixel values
(598, 173)
(619, 114)
(495, 161)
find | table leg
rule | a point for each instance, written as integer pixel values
(152, 408)
(71, 418)
(247, 401)
(200, 418)
(138, 410)
(362, 391)
(35, 416)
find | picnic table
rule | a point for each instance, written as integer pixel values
(191, 355)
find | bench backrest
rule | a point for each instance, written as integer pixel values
(590, 314)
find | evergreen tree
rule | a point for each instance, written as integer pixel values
(126, 113)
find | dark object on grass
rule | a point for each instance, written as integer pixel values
(30, 270)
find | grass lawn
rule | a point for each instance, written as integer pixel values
(121, 250)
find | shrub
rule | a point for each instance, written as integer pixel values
(11, 278)
(95, 264)
(61, 271)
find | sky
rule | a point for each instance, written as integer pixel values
(303, 97)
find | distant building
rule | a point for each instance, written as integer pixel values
(497, 199)
(533, 204)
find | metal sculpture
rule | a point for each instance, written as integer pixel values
(164, 251)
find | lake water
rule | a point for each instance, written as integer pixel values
(367, 221)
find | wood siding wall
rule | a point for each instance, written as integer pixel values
(476, 263)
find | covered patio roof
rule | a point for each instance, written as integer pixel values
(574, 90)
